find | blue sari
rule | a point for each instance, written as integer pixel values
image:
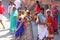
(20, 31)
(13, 20)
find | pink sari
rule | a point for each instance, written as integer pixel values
(37, 9)
(55, 17)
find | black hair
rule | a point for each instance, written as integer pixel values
(42, 8)
(48, 12)
(25, 8)
(10, 2)
(37, 2)
(28, 12)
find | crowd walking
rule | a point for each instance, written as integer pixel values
(20, 17)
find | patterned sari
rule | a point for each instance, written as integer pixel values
(55, 17)
(49, 25)
(20, 28)
(28, 30)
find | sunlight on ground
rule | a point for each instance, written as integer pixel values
(5, 38)
(4, 33)
(5, 22)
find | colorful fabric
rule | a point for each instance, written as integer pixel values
(2, 9)
(13, 21)
(55, 11)
(37, 9)
(55, 18)
(28, 30)
(59, 16)
(55, 24)
(40, 17)
(55, 14)
(20, 31)
(49, 25)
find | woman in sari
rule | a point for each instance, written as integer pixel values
(55, 17)
(50, 26)
(20, 26)
(28, 27)
(37, 7)
(13, 20)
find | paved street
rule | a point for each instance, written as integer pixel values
(5, 34)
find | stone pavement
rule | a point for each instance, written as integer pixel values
(4, 33)
(57, 37)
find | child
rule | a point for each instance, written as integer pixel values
(1, 13)
(50, 26)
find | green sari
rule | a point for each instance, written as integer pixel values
(59, 16)
(13, 20)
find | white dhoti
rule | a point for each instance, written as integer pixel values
(42, 31)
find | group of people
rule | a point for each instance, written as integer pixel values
(21, 18)
(47, 19)
(20, 21)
